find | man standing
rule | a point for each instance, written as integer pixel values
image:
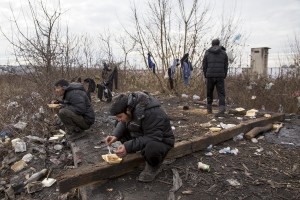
(76, 111)
(142, 126)
(215, 68)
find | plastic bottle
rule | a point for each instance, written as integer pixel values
(36, 176)
(203, 166)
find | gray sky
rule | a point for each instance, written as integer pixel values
(269, 23)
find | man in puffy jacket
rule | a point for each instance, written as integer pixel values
(76, 111)
(142, 126)
(215, 68)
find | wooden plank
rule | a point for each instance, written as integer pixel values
(257, 130)
(101, 171)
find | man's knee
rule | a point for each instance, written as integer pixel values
(63, 112)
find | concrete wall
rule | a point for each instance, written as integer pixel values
(259, 61)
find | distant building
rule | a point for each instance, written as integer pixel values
(259, 61)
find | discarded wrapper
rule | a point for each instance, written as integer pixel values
(48, 182)
(112, 158)
(53, 105)
(215, 129)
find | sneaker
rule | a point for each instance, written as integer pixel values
(149, 173)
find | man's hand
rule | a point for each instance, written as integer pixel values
(55, 102)
(110, 139)
(121, 151)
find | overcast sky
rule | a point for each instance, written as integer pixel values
(269, 23)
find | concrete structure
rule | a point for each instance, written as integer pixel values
(259, 61)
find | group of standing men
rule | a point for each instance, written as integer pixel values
(143, 126)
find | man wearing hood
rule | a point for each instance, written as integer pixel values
(215, 68)
(142, 126)
(76, 111)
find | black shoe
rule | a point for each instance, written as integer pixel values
(209, 109)
(149, 173)
(75, 136)
(220, 114)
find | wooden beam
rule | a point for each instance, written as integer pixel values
(101, 171)
(257, 130)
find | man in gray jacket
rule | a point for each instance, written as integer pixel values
(215, 68)
(142, 126)
(76, 111)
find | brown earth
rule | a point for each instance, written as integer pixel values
(273, 173)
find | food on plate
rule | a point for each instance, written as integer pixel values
(112, 158)
(53, 105)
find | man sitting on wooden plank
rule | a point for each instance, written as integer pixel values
(142, 126)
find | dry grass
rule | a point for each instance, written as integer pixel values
(18, 89)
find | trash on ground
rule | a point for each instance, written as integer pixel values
(27, 158)
(33, 138)
(215, 129)
(227, 150)
(48, 182)
(14, 141)
(206, 125)
(20, 146)
(196, 97)
(20, 125)
(254, 140)
(251, 113)
(18, 166)
(187, 192)
(203, 167)
(259, 150)
(36, 176)
(238, 137)
(34, 187)
(233, 182)
(184, 96)
(227, 126)
(209, 148)
(58, 147)
(209, 154)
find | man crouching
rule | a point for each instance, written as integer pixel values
(142, 126)
(76, 111)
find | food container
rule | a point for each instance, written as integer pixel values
(112, 158)
(53, 105)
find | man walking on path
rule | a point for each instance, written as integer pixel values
(215, 68)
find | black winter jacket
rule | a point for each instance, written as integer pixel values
(76, 100)
(215, 63)
(149, 123)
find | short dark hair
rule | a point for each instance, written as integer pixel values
(215, 42)
(62, 83)
(119, 105)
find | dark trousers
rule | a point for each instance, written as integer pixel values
(101, 89)
(219, 83)
(72, 121)
(154, 152)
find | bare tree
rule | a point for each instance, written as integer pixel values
(39, 47)
(294, 46)
(106, 44)
(126, 46)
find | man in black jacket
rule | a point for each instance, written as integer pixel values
(215, 68)
(142, 126)
(76, 111)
